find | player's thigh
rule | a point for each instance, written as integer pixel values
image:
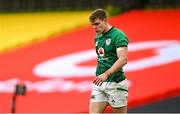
(118, 95)
(122, 110)
(97, 107)
(99, 99)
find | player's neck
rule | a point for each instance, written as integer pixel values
(108, 27)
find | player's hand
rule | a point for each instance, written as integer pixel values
(100, 79)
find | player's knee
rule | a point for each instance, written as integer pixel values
(122, 110)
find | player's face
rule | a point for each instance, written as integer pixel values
(99, 25)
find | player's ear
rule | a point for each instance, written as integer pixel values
(105, 21)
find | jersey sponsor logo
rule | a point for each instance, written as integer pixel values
(101, 52)
(108, 41)
(102, 59)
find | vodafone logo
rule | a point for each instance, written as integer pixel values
(64, 66)
(101, 52)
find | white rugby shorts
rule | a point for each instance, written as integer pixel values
(116, 94)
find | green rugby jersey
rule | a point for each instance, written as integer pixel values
(106, 45)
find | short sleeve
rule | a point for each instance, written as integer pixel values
(121, 40)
